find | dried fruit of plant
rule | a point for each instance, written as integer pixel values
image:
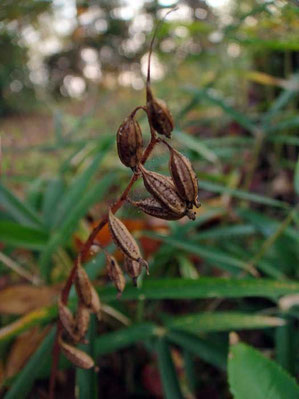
(67, 319)
(95, 305)
(163, 190)
(184, 177)
(76, 356)
(82, 321)
(115, 273)
(159, 114)
(83, 286)
(133, 269)
(123, 238)
(154, 208)
(129, 142)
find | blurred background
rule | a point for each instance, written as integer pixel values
(70, 72)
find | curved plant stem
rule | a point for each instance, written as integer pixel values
(83, 254)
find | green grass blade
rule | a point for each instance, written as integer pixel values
(209, 253)
(195, 144)
(296, 178)
(17, 209)
(204, 287)
(18, 235)
(79, 186)
(25, 379)
(251, 375)
(53, 193)
(210, 97)
(211, 352)
(61, 235)
(222, 321)
(123, 338)
(241, 194)
(171, 386)
(86, 380)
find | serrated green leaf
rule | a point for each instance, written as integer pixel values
(251, 375)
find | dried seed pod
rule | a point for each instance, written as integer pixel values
(82, 321)
(184, 177)
(159, 114)
(129, 142)
(115, 273)
(154, 208)
(76, 356)
(83, 286)
(95, 305)
(163, 190)
(133, 268)
(123, 238)
(67, 319)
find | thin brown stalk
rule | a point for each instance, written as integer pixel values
(83, 254)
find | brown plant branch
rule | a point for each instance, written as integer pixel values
(82, 256)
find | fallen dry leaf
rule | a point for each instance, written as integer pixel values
(22, 349)
(20, 299)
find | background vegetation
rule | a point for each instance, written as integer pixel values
(218, 316)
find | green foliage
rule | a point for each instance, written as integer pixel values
(234, 269)
(251, 375)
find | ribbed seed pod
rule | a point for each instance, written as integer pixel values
(184, 177)
(67, 319)
(75, 355)
(115, 273)
(123, 238)
(133, 269)
(83, 286)
(159, 114)
(164, 191)
(82, 321)
(154, 208)
(96, 305)
(129, 142)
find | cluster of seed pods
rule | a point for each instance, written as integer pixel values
(171, 198)
(76, 326)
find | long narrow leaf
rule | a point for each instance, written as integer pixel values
(17, 209)
(167, 370)
(25, 379)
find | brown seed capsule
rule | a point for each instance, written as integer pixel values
(129, 142)
(76, 356)
(184, 177)
(83, 286)
(154, 208)
(67, 319)
(164, 191)
(159, 115)
(133, 269)
(123, 238)
(82, 321)
(115, 273)
(95, 305)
